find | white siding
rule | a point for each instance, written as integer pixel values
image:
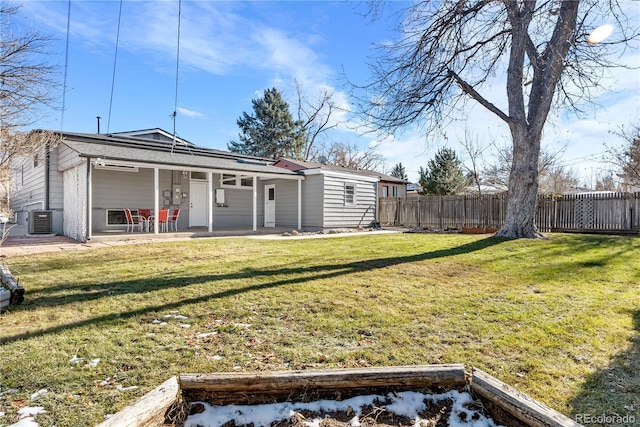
(67, 158)
(238, 209)
(337, 213)
(286, 202)
(27, 189)
(312, 201)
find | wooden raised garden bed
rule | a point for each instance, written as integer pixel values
(170, 403)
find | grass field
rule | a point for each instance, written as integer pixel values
(559, 319)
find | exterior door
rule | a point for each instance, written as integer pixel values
(198, 204)
(270, 205)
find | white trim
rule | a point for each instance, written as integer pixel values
(89, 212)
(156, 197)
(210, 213)
(262, 175)
(299, 205)
(114, 167)
(339, 174)
(255, 203)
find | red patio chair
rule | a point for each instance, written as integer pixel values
(145, 215)
(163, 219)
(133, 221)
(173, 220)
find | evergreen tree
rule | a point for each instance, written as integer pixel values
(271, 131)
(444, 175)
(399, 172)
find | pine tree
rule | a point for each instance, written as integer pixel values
(444, 175)
(399, 172)
(271, 131)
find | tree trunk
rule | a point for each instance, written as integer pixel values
(523, 187)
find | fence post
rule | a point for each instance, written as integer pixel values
(440, 213)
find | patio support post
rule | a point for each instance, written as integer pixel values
(156, 198)
(299, 204)
(255, 203)
(88, 213)
(210, 214)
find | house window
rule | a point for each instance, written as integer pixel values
(246, 181)
(117, 217)
(35, 160)
(236, 181)
(199, 176)
(394, 191)
(349, 194)
(385, 191)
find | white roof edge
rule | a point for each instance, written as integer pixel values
(269, 175)
(340, 174)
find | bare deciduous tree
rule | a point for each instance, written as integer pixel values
(474, 150)
(26, 83)
(315, 118)
(627, 158)
(351, 156)
(26, 80)
(451, 51)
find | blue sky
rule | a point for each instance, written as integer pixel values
(231, 51)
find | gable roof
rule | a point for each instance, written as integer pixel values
(120, 148)
(155, 134)
(301, 165)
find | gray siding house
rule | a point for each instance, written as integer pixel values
(88, 180)
(335, 196)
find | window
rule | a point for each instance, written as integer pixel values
(236, 181)
(385, 191)
(227, 180)
(116, 217)
(394, 191)
(349, 194)
(246, 181)
(199, 176)
(35, 160)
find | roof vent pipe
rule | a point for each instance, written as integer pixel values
(98, 117)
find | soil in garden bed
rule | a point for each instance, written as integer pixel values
(436, 413)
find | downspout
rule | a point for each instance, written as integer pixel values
(47, 168)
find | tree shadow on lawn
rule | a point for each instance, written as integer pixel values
(613, 391)
(293, 276)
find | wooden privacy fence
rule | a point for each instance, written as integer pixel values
(590, 212)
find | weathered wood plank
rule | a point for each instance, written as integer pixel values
(330, 379)
(521, 406)
(149, 410)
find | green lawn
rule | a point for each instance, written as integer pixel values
(559, 319)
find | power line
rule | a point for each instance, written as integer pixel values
(66, 68)
(175, 105)
(115, 60)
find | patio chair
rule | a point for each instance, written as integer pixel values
(145, 215)
(173, 220)
(163, 219)
(133, 221)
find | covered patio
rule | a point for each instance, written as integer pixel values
(213, 191)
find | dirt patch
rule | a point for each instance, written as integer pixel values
(433, 409)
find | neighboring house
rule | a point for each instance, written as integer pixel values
(335, 196)
(87, 180)
(413, 190)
